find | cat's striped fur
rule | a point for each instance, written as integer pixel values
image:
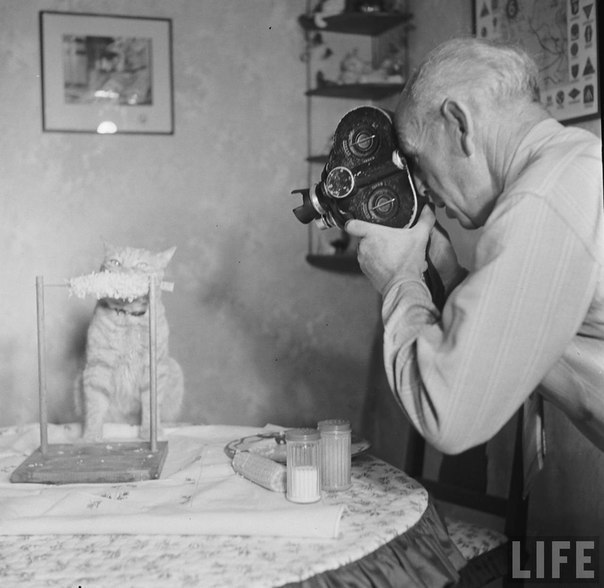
(114, 385)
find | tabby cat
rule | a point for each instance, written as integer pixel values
(114, 385)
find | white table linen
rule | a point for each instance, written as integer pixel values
(382, 504)
(197, 494)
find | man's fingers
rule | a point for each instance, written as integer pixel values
(357, 228)
(427, 217)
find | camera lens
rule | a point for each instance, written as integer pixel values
(311, 208)
(305, 213)
(339, 182)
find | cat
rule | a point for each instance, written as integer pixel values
(114, 385)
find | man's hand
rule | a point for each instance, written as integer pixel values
(386, 254)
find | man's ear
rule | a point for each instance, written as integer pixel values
(459, 124)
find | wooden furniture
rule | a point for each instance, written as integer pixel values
(479, 523)
(462, 482)
(201, 524)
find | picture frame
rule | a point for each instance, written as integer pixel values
(562, 37)
(106, 74)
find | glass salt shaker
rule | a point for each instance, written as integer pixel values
(336, 454)
(303, 465)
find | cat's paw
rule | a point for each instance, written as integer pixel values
(90, 436)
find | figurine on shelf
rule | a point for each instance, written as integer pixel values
(392, 67)
(326, 8)
(353, 68)
(322, 81)
(316, 45)
(370, 6)
(367, 6)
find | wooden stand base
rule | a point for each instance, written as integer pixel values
(95, 463)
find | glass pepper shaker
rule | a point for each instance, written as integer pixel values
(303, 465)
(336, 454)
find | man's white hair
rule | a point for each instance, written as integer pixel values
(486, 73)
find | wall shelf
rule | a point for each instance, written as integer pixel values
(317, 159)
(368, 24)
(357, 91)
(343, 263)
(356, 23)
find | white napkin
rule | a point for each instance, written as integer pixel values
(83, 513)
(197, 494)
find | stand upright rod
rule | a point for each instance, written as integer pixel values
(42, 365)
(153, 362)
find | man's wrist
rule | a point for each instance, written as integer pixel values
(407, 284)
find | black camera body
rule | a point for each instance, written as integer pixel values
(365, 177)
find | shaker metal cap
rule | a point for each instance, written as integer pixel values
(302, 435)
(334, 425)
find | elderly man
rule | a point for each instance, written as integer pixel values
(530, 314)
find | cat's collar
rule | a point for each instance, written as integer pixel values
(123, 310)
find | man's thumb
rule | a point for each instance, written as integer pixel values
(357, 228)
(427, 218)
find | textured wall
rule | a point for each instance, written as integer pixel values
(261, 335)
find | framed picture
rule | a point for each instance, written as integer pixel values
(562, 37)
(106, 74)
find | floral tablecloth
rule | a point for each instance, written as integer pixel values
(382, 506)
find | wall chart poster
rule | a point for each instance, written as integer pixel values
(562, 36)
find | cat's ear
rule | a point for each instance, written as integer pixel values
(165, 256)
(110, 248)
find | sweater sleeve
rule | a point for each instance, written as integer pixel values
(461, 376)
